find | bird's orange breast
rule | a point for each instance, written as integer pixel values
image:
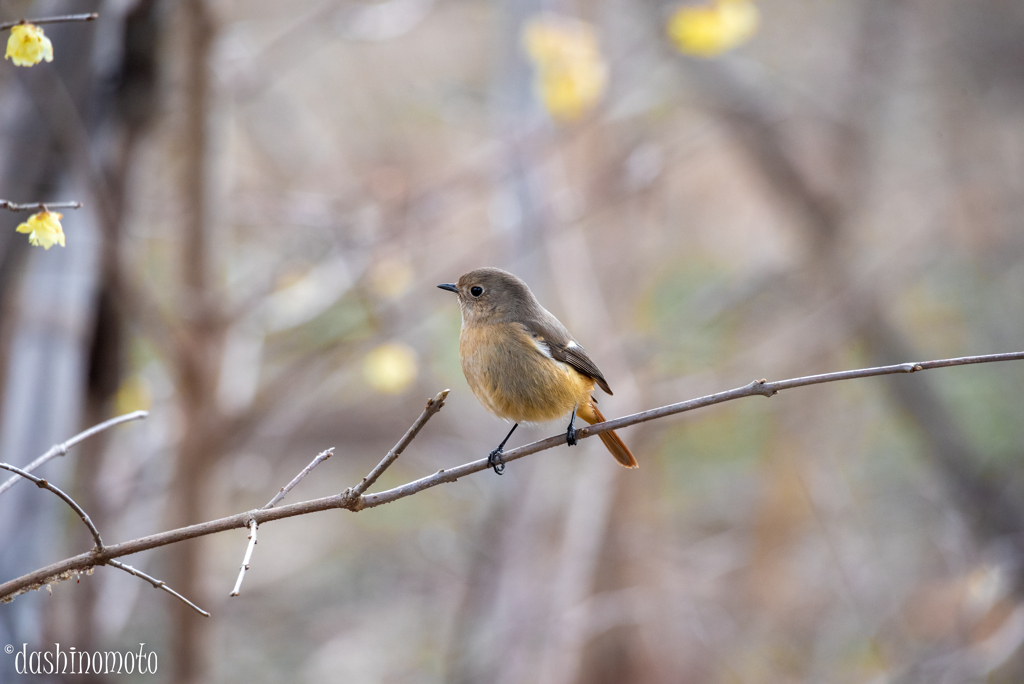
(514, 379)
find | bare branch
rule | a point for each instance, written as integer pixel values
(157, 584)
(351, 500)
(764, 388)
(50, 20)
(245, 561)
(322, 456)
(43, 484)
(433, 406)
(39, 206)
(95, 532)
(61, 449)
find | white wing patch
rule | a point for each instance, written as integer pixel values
(542, 347)
(572, 344)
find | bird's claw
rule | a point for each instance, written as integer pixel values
(496, 461)
(570, 436)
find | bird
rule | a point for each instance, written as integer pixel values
(522, 364)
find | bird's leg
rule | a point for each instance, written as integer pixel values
(495, 460)
(570, 434)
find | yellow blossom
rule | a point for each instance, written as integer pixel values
(571, 74)
(709, 30)
(44, 229)
(27, 45)
(390, 368)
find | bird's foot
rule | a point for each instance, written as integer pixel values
(496, 461)
(570, 436)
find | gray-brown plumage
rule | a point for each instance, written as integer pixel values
(521, 362)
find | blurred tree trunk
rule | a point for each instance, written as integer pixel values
(198, 347)
(124, 119)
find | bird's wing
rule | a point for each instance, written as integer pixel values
(554, 340)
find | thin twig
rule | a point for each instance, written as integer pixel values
(157, 584)
(39, 206)
(245, 561)
(322, 456)
(349, 500)
(62, 448)
(43, 484)
(433, 406)
(50, 20)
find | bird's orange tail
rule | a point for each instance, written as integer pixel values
(590, 413)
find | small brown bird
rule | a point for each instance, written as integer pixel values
(521, 362)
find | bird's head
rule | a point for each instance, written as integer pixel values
(492, 295)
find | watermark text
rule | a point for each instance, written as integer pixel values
(70, 660)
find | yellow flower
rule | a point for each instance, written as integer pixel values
(27, 45)
(710, 30)
(571, 74)
(44, 229)
(390, 368)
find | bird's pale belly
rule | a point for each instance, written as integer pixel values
(514, 380)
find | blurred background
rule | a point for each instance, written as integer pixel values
(704, 196)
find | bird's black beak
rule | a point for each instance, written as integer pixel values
(451, 287)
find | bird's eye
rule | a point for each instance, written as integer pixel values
(476, 290)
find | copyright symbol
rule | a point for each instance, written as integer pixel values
(8, 649)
